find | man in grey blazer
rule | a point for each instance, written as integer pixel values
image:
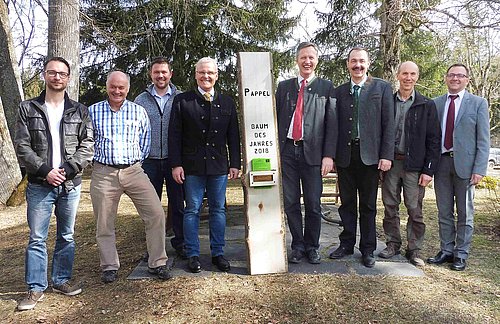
(365, 107)
(465, 147)
(307, 132)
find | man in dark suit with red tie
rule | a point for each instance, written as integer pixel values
(365, 107)
(307, 132)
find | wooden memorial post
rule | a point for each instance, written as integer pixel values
(265, 226)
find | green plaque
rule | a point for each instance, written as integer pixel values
(261, 164)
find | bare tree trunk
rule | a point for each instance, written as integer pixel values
(64, 38)
(11, 93)
(11, 90)
(9, 167)
(390, 38)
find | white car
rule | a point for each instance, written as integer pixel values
(494, 158)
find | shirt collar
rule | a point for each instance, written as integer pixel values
(361, 83)
(122, 107)
(212, 92)
(460, 94)
(168, 93)
(409, 98)
(309, 79)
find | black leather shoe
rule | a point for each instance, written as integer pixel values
(109, 276)
(296, 256)
(221, 263)
(181, 253)
(194, 264)
(341, 252)
(440, 258)
(458, 264)
(162, 272)
(313, 257)
(368, 260)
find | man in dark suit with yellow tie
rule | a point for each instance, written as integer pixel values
(365, 107)
(307, 132)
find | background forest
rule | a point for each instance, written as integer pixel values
(97, 36)
(127, 34)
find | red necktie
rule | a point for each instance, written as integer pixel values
(450, 123)
(299, 111)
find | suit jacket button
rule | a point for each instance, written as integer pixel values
(213, 157)
(348, 143)
(352, 105)
(215, 131)
(213, 144)
(203, 131)
(350, 118)
(208, 144)
(202, 117)
(204, 158)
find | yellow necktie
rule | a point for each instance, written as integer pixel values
(207, 96)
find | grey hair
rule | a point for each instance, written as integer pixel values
(206, 60)
(111, 72)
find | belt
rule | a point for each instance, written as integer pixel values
(296, 143)
(355, 141)
(399, 156)
(118, 166)
(450, 154)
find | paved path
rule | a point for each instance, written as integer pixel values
(235, 252)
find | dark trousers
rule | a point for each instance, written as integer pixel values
(295, 171)
(361, 179)
(159, 172)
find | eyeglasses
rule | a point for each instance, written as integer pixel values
(52, 74)
(210, 73)
(457, 75)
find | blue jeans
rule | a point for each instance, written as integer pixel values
(159, 172)
(195, 187)
(41, 199)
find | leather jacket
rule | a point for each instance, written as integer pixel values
(33, 143)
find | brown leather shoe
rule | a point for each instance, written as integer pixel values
(390, 251)
(413, 257)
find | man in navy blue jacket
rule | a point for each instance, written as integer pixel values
(203, 130)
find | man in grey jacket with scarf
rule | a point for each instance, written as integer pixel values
(157, 100)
